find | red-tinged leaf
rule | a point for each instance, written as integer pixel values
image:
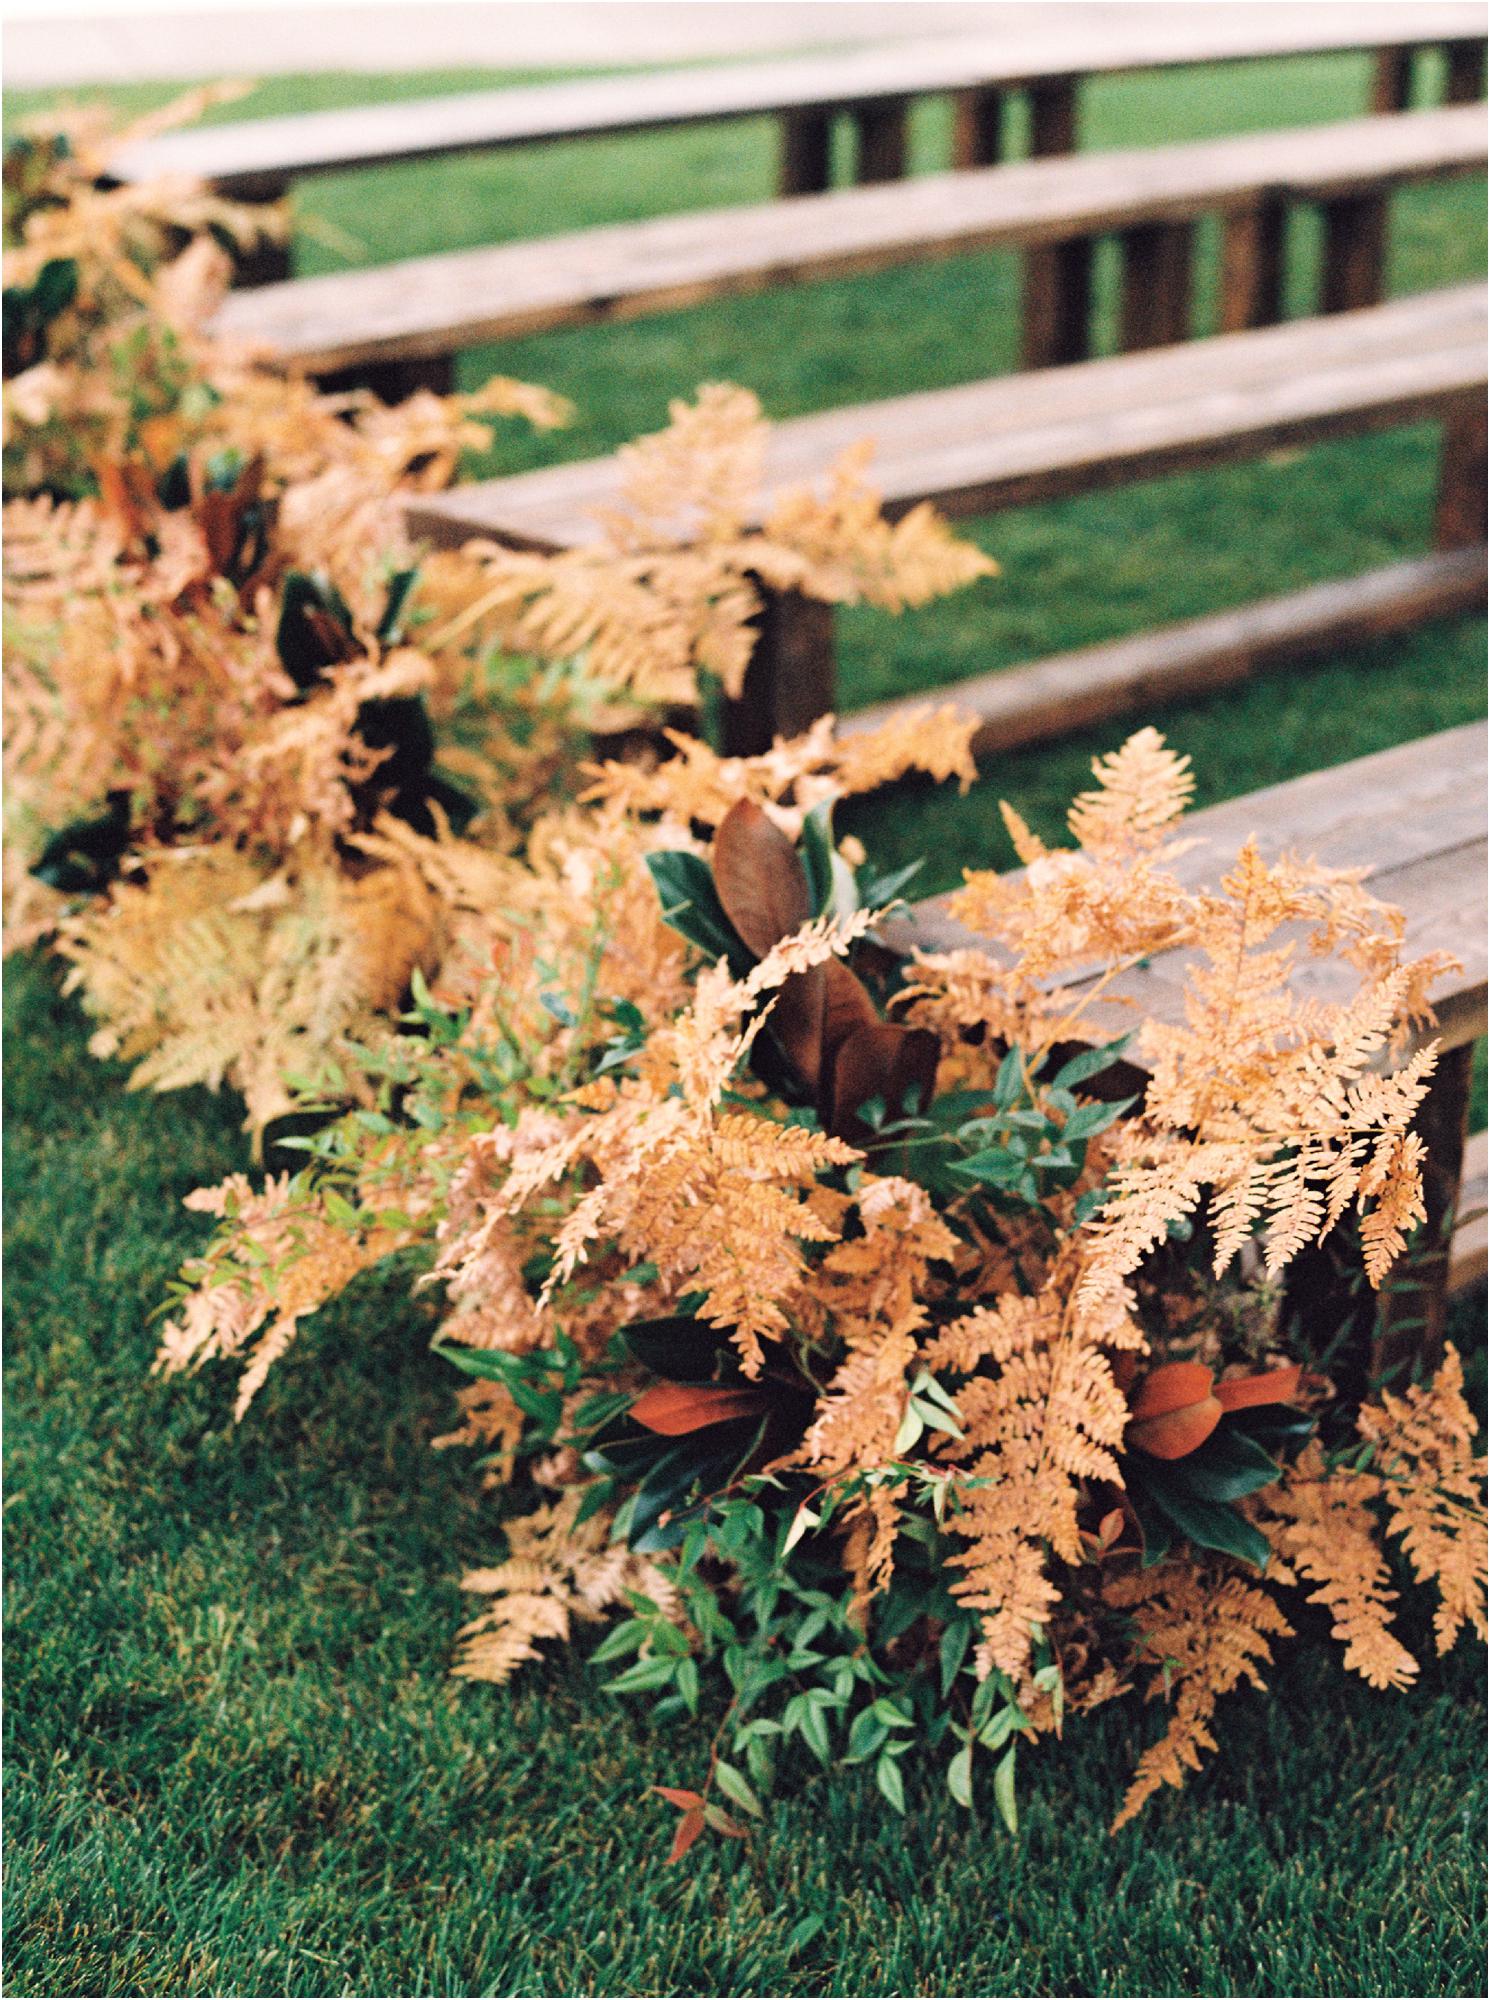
(124, 493)
(897, 1065)
(1177, 1433)
(721, 1822)
(1273, 1385)
(849, 1006)
(1172, 1386)
(677, 1796)
(760, 878)
(674, 1408)
(797, 1021)
(690, 1826)
(1110, 1527)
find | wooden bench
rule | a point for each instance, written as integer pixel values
(402, 323)
(1022, 439)
(1414, 819)
(259, 159)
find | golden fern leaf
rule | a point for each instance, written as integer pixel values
(1323, 1526)
(1204, 1630)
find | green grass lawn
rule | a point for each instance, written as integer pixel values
(236, 1762)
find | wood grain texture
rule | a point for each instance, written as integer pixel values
(245, 157)
(1021, 439)
(1046, 699)
(440, 304)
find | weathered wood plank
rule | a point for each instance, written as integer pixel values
(1022, 439)
(1021, 705)
(1412, 817)
(443, 303)
(245, 157)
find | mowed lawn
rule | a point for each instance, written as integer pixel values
(236, 1762)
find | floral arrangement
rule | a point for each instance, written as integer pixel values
(266, 758)
(885, 1337)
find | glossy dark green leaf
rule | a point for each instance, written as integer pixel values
(683, 1350)
(1225, 1467)
(1207, 1524)
(85, 854)
(691, 904)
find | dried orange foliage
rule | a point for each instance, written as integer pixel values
(685, 1202)
(277, 848)
(559, 1569)
(1203, 1631)
(667, 590)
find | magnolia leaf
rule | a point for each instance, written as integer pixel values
(759, 877)
(675, 1408)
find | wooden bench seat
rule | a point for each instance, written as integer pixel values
(1019, 439)
(348, 324)
(1414, 819)
(1027, 438)
(258, 158)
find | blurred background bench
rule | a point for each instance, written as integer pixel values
(261, 159)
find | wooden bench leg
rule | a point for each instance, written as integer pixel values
(1411, 1322)
(1465, 82)
(1057, 305)
(1057, 281)
(882, 142)
(789, 682)
(977, 128)
(806, 152)
(1158, 258)
(1253, 243)
(268, 261)
(1392, 85)
(1461, 522)
(1355, 242)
